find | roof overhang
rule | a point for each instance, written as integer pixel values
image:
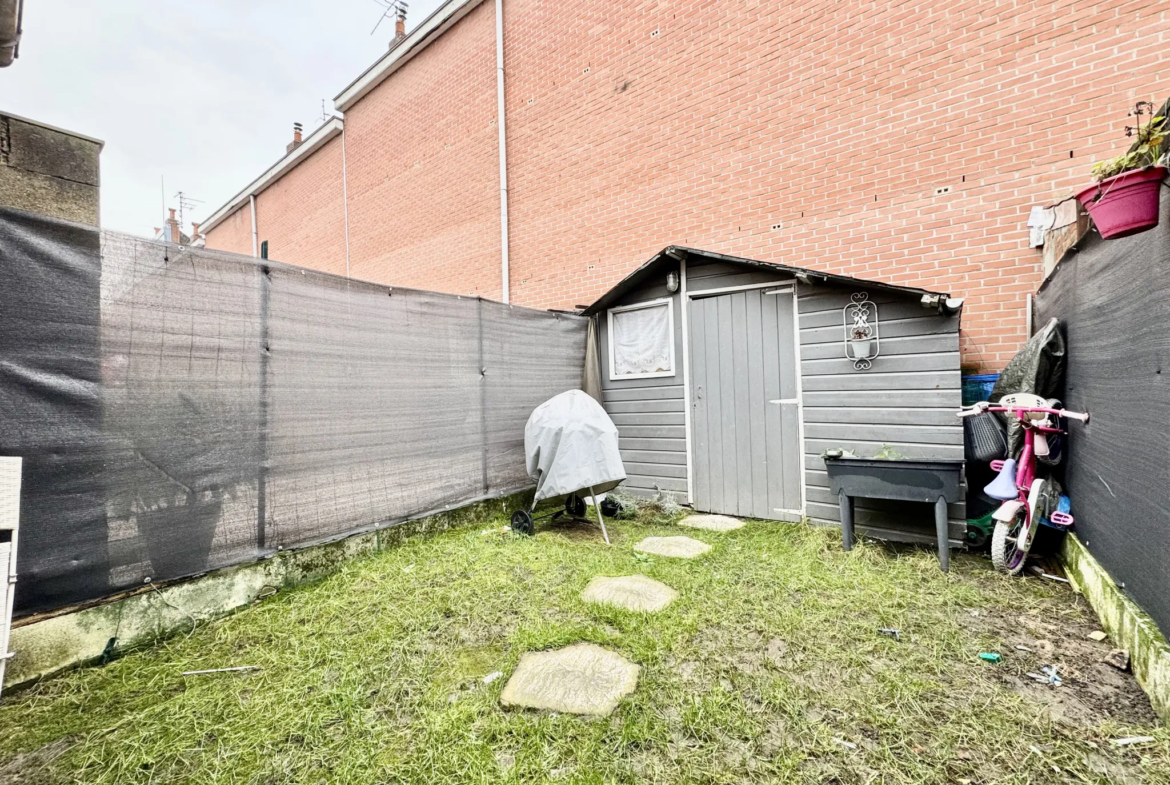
(418, 39)
(312, 142)
(672, 254)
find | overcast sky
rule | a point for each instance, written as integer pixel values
(201, 93)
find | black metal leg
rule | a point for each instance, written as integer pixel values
(940, 527)
(846, 520)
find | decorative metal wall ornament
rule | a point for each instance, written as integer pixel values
(861, 331)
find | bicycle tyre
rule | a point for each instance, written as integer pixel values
(1005, 554)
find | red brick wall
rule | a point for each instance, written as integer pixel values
(233, 233)
(313, 237)
(633, 125)
(301, 216)
(836, 120)
(422, 168)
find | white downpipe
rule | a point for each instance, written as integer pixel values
(503, 147)
(255, 234)
(345, 201)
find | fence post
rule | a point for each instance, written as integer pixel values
(483, 414)
(262, 470)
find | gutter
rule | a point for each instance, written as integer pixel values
(312, 142)
(11, 15)
(443, 18)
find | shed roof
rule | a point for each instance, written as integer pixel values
(669, 255)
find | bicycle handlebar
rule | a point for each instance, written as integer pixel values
(984, 406)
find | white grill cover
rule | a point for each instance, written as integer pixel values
(571, 445)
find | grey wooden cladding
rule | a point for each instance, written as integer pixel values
(925, 399)
(917, 326)
(653, 405)
(672, 391)
(908, 400)
(621, 419)
(720, 275)
(891, 415)
(650, 414)
(656, 457)
(941, 361)
(877, 380)
(890, 347)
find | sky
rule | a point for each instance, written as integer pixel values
(198, 97)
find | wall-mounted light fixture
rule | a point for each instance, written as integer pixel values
(861, 331)
(672, 282)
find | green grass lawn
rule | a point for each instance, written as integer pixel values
(768, 668)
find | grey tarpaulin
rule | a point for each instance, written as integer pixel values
(571, 445)
(182, 409)
(1113, 298)
(1038, 369)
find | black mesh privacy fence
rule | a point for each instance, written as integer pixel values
(181, 410)
(1113, 299)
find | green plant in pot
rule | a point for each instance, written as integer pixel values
(1125, 198)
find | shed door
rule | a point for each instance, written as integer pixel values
(745, 406)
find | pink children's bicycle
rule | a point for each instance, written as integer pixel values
(1017, 485)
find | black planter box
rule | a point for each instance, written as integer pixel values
(936, 482)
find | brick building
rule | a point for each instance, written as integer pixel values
(902, 141)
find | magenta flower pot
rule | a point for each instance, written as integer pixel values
(1125, 204)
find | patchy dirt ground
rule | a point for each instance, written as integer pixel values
(1091, 691)
(770, 667)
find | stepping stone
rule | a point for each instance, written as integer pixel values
(678, 547)
(579, 679)
(632, 592)
(712, 523)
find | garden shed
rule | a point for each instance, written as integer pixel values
(729, 378)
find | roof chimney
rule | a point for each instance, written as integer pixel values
(173, 227)
(296, 142)
(399, 22)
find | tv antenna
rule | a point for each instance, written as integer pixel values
(326, 114)
(186, 202)
(390, 8)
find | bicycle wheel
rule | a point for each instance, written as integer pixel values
(1006, 554)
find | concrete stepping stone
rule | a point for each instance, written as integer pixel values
(712, 523)
(676, 547)
(579, 679)
(632, 592)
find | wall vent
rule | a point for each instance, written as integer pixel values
(942, 189)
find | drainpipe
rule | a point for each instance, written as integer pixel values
(255, 234)
(11, 12)
(345, 199)
(503, 146)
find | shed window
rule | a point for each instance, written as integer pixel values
(641, 340)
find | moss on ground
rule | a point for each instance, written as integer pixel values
(768, 668)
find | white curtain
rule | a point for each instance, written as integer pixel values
(642, 341)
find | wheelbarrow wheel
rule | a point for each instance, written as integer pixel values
(575, 505)
(522, 523)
